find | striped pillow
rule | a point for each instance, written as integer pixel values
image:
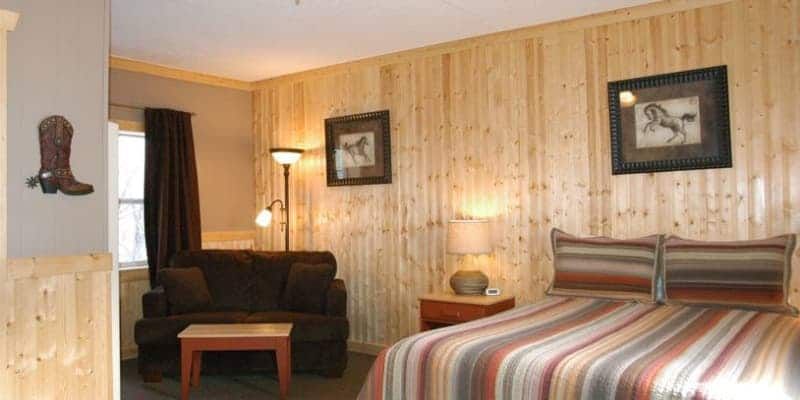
(752, 274)
(605, 268)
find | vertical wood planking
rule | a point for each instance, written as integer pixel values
(539, 219)
(58, 327)
(233, 240)
(133, 284)
(516, 129)
(792, 142)
(130, 294)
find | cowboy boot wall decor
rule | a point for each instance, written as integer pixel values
(55, 143)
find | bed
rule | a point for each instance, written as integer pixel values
(583, 348)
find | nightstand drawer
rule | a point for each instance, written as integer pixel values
(438, 310)
(450, 311)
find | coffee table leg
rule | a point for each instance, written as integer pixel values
(186, 368)
(284, 361)
(197, 365)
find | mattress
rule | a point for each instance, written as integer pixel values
(582, 348)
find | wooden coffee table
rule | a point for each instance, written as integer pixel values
(198, 338)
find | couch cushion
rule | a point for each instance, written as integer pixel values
(307, 287)
(186, 289)
(161, 331)
(270, 272)
(228, 274)
(307, 327)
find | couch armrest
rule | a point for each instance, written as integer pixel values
(154, 303)
(336, 299)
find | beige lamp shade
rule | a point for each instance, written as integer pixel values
(468, 237)
(264, 218)
(286, 156)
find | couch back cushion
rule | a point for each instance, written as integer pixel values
(229, 276)
(307, 286)
(621, 269)
(752, 274)
(271, 273)
(186, 289)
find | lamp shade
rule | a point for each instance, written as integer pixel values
(264, 218)
(468, 237)
(285, 156)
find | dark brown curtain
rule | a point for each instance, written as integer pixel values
(171, 196)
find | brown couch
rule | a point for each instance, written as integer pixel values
(246, 286)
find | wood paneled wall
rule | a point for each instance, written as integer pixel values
(232, 240)
(57, 313)
(514, 127)
(133, 283)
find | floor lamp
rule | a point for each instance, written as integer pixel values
(286, 157)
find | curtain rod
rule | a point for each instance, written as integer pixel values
(134, 107)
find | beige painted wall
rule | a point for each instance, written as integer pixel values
(57, 65)
(223, 140)
(514, 127)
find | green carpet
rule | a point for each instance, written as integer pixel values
(304, 386)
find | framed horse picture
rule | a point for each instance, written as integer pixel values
(358, 149)
(670, 122)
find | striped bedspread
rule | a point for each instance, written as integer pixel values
(580, 348)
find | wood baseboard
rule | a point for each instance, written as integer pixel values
(365, 348)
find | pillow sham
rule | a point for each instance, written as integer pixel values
(186, 289)
(604, 267)
(751, 274)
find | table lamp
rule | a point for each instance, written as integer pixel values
(466, 237)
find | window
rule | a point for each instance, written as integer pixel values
(132, 251)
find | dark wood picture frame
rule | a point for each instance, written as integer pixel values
(703, 92)
(370, 145)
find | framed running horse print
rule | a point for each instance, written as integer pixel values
(358, 149)
(670, 122)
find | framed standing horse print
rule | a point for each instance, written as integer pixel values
(670, 122)
(358, 149)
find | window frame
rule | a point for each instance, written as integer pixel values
(138, 264)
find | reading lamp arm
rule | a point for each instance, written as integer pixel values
(276, 201)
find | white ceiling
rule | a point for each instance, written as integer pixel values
(258, 39)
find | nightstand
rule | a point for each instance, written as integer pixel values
(437, 310)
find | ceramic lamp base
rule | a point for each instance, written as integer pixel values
(471, 282)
